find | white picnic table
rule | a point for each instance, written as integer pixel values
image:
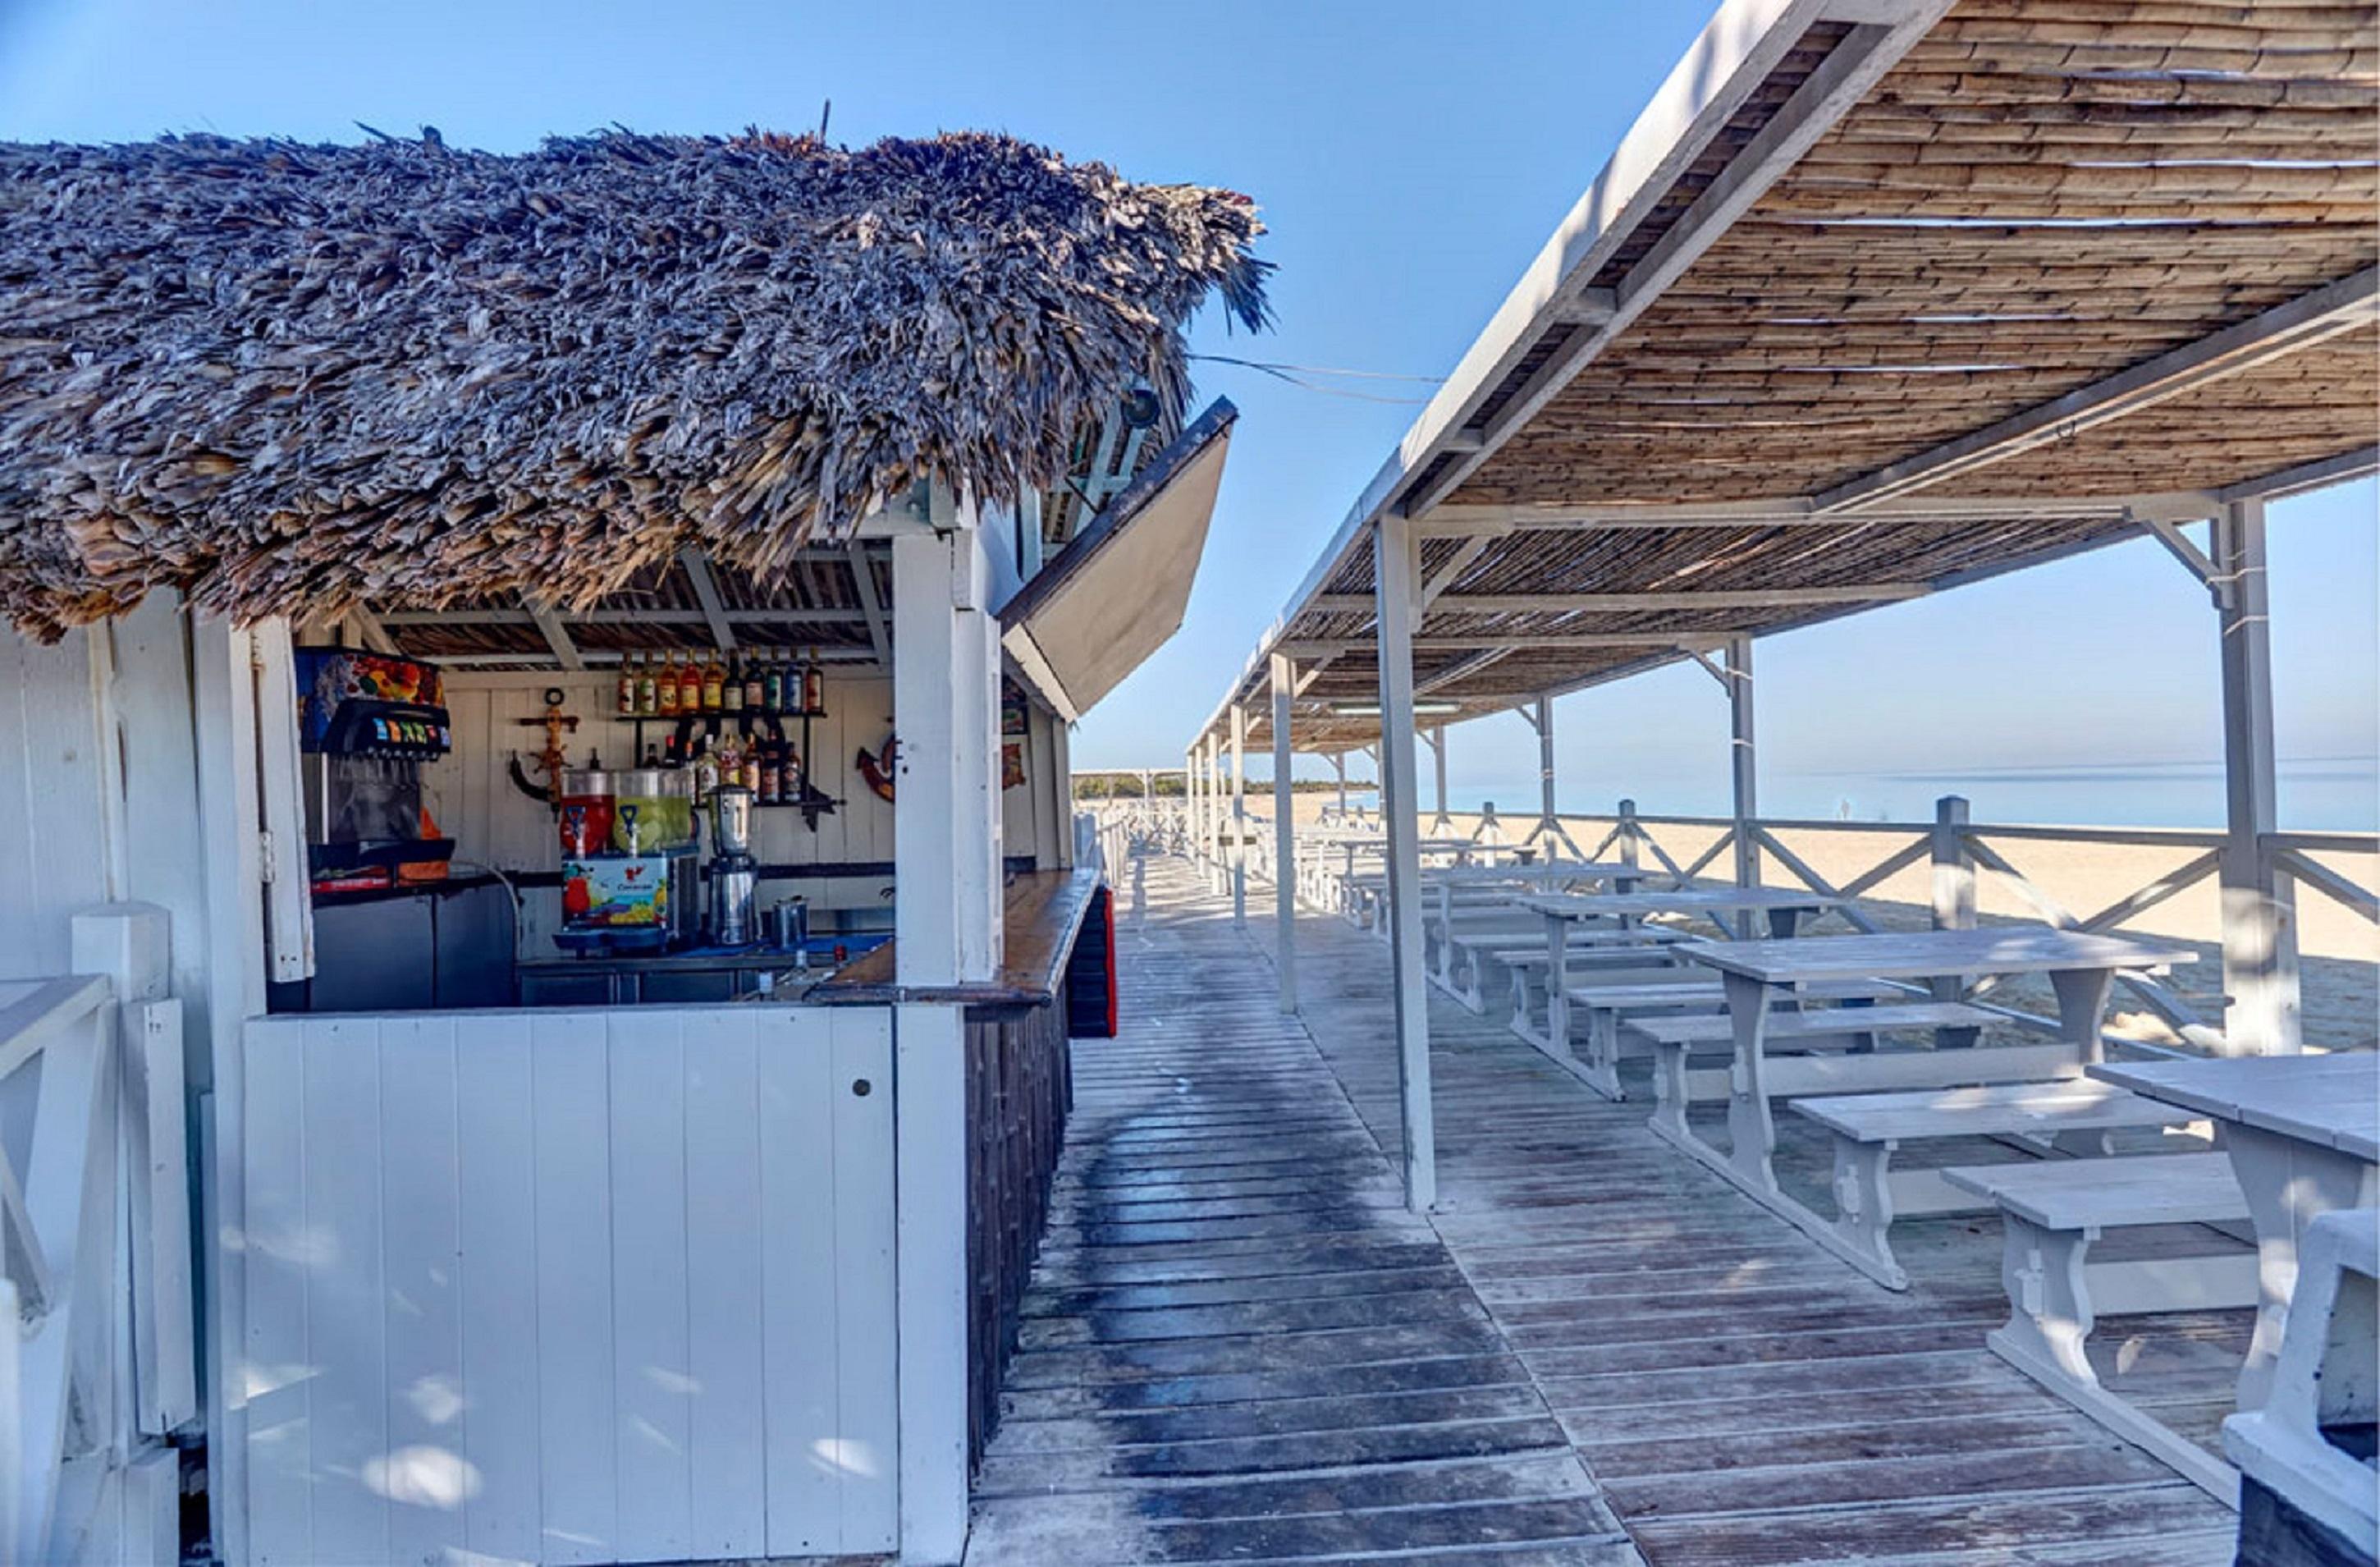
(2303, 1136)
(1784, 908)
(2082, 969)
(1441, 883)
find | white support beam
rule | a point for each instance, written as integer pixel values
(1467, 520)
(1639, 604)
(1659, 641)
(557, 638)
(947, 804)
(1216, 873)
(1239, 815)
(2340, 307)
(1338, 767)
(371, 633)
(1284, 835)
(2259, 942)
(1397, 572)
(1511, 643)
(1548, 826)
(2193, 560)
(1457, 563)
(1436, 735)
(2360, 463)
(1462, 669)
(946, 832)
(697, 566)
(863, 581)
(1743, 769)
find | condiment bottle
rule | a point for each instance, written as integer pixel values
(755, 688)
(689, 686)
(624, 697)
(731, 690)
(814, 687)
(666, 698)
(647, 698)
(772, 684)
(713, 683)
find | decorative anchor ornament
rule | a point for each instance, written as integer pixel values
(548, 760)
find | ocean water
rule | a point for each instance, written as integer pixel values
(2317, 795)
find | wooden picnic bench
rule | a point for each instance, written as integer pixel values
(2080, 967)
(1675, 1040)
(2050, 1213)
(1586, 954)
(1607, 1000)
(2022, 1091)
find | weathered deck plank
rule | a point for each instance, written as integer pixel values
(1239, 1347)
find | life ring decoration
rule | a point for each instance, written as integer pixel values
(878, 769)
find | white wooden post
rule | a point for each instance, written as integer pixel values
(1954, 882)
(1443, 822)
(225, 693)
(1240, 815)
(1338, 766)
(1215, 878)
(946, 925)
(946, 805)
(1548, 818)
(1397, 572)
(2260, 940)
(1190, 804)
(1284, 834)
(1196, 796)
(1743, 769)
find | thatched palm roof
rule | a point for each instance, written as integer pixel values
(286, 378)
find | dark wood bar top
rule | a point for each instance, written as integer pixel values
(1042, 912)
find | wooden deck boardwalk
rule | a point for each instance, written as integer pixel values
(1240, 1348)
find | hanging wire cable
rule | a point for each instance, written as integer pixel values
(1296, 375)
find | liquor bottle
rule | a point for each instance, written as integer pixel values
(689, 684)
(647, 698)
(713, 683)
(625, 698)
(731, 690)
(665, 699)
(813, 686)
(755, 686)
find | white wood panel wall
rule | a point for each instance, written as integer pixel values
(571, 1286)
(52, 837)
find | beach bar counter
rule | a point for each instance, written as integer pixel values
(618, 1125)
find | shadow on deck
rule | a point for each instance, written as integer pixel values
(1240, 1348)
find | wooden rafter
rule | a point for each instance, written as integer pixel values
(2313, 318)
(697, 566)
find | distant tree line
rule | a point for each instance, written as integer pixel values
(1169, 787)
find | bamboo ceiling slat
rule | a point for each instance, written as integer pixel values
(2036, 196)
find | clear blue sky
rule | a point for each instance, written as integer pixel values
(1409, 169)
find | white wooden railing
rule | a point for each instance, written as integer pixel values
(94, 1256)
(1958, 853)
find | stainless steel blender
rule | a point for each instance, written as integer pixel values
(734, 874)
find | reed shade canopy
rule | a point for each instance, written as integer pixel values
(293, 380)
(1880, 297)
